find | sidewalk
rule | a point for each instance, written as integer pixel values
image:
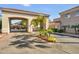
(68, 34)
(2, 35)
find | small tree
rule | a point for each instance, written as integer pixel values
(64, 28)
(75, 28)
(78, 28)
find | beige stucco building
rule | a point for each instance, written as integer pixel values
(55, 23)
(12, 14)
(69, 18)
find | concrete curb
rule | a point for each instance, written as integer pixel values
(71, 35)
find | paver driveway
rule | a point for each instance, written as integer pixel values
(24, 43)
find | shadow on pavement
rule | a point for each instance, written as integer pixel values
(42, 46)
(26, 42)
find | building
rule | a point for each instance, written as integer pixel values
(12, 17)
(70, 20)
(55, 23)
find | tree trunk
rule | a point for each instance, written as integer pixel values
(75, 31)
(41, 25)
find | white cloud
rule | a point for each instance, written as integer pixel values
(26, 4)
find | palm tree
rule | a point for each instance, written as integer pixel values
(24, 22)
(35, 22)
(40, 20)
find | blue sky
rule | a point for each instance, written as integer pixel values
(52, 9)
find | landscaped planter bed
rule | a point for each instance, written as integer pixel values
(47, 38)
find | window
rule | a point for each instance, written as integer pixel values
(77, 13)
(67, 15)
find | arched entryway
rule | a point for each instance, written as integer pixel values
(18, 24)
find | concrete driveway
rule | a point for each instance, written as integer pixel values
(23, 43)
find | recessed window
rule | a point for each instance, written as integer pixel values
(67, 15)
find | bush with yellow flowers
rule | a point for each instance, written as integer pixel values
(46, 34)
(52, 39)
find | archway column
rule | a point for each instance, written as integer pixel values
(47, 24)
(5, 24)
(29, 25)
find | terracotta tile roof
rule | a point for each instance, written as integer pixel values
(23, 11)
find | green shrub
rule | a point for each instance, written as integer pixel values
(43, 32)
(49, 30)
(54, 30)
(61, 31)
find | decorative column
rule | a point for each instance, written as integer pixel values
(5, 24)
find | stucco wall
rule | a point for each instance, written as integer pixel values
(7, 15)
(73, 20)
